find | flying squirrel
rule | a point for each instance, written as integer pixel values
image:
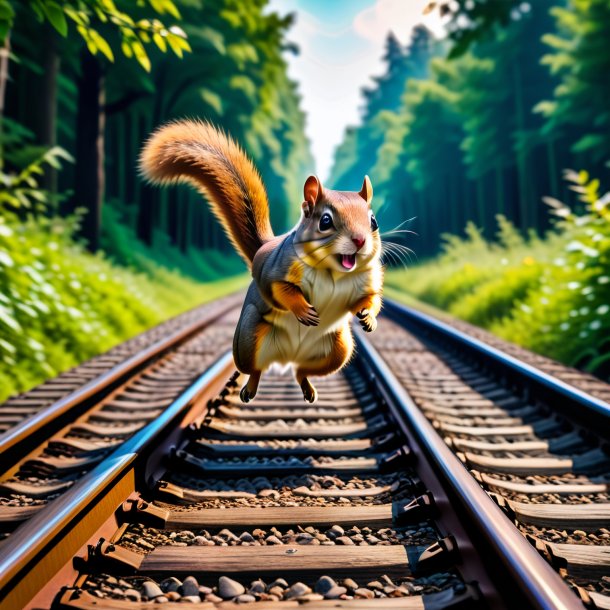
(308, 283)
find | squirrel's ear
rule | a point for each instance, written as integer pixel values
(367, 190)
(312, 190)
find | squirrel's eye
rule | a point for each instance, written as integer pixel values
(326, 222)
(374, 225)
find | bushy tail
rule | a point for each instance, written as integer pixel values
(197, 152)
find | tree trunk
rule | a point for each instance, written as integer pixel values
(521, 155)
(500, 189)
(4, 55)
(149, 197)
(89, 171)
(45, 113)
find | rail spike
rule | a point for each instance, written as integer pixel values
(138, 511)
(420, 509)
(438, 556)
(106, 556)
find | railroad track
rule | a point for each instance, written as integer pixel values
(356, 500)
(63, 428)
(532, 432)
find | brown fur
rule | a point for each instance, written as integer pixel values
(298, 307)
(199, 153)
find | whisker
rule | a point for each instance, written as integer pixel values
(395, 231)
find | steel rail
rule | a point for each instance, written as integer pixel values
(16, 442)
(37, 536)
(539, 583)
(532, 375)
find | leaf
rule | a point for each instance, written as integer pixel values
(165, 6)
(6, 11)
(140, 54)
(126, 48)
(212, 37)
(56, 17)
(174, 44)
(588, 142)
(178, 31)
(102, 45)
(160, 42)
(79, 17)
(7, 319)
(212, 99)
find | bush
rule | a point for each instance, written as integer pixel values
(60, 305)
(550, 295)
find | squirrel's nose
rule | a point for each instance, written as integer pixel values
(358, 241)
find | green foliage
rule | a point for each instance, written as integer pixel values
(550, 295)
(19, 185)
(463, 142)
(376, 147)
(121, 246)
(95, 20)
(60, 305)
(579, 55)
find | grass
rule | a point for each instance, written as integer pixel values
(60, 305)
(550, 295)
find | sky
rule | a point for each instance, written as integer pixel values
(341, 47)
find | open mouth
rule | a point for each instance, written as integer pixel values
(348, 261)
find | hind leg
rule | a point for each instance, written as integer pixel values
(340, 353)
(250, 332)
(248, 392)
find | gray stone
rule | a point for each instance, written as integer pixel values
(189, 587)
(170, 584)
(151, 589)
(246, 537)
(350, 584)
(279, 582)
(245, 598)
(344, 540)
(228, 534)
(162, 599)
(273, 540)
(229, 588)
(257, 586)
(324, 584)
(297, 590)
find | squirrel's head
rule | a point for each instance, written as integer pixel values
(338, 230)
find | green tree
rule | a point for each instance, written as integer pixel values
(580, 56)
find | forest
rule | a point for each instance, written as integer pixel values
(487, 149)
(82, 84)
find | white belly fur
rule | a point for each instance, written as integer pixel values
(289, 341)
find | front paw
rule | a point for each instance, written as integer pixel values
(367, 320)
(309, 317)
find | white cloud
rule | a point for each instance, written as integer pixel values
(337, 60)
(400, 16)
